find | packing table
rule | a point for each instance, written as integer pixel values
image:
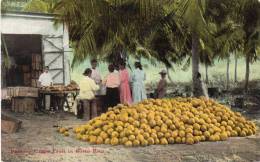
(59, 98)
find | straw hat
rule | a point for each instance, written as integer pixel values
(163, 72)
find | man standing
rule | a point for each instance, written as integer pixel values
(88, 87)
(95, 75)
(45, 80)
(162, 85)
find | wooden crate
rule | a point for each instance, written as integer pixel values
(25, 68)
(24, 104)
(22, 91)
(27, 79)
(35, 83)
(9, 124)
(37, 62)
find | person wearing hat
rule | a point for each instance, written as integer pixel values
(86, 97)
(162, 85)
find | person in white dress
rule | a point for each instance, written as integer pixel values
(138, 88)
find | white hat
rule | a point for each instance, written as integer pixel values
(163, 72)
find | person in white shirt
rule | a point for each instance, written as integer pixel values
(95, 75)
(86, 98)
(45, 80)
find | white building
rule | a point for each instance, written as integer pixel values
(27, 34)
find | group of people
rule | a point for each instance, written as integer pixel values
(119, 86)
(116, 82)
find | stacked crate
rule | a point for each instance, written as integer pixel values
(26, 74)
(24, 99)
(36, 69)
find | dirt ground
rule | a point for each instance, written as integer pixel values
(38, 140)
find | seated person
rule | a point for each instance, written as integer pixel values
(45, 80)
(86, 97)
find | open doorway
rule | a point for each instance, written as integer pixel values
(25, 56)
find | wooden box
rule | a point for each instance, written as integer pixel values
(22, 92)
(27, 79)
(24, 104)
(35, 83)
(9, 125)
(25, 68)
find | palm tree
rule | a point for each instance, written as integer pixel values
(42, 6)
(251, 23)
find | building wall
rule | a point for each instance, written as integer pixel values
(41, 24)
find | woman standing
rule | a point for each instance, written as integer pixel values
(125, 93)
(112, 83)
(138, 78)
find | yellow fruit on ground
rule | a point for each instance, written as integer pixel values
(234, 133)
(79, 136)
(212, 138)
(131, 137)
(119, 128)
(189, 135)
(177, 120)
(189, 141)
(183, 140)
(66, 133)
(128, 143)
(123, 140)
(203, 128)
(136, 143)
(144, 142)
(160, 134)
(114, 134)
(163, 141)
(167, 134)
(189, 130)
(92, 139)
(99, 140)
(174, 134)
(114, 141)
(242, 133)
(150, 141)
(171, 140)
(62, 130)
(104, 135)
(140, 137)
(181, 133)
(146, 135)
(223, 136)
(196, 126)
(107, 141)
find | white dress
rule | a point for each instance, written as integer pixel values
(138, 89)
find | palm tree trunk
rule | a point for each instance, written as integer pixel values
(168, 74)
(228, 61)
(247, 72)
(206, 70)
(235, 77)
(197, 87)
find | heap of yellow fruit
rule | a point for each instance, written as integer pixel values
(165, 121)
